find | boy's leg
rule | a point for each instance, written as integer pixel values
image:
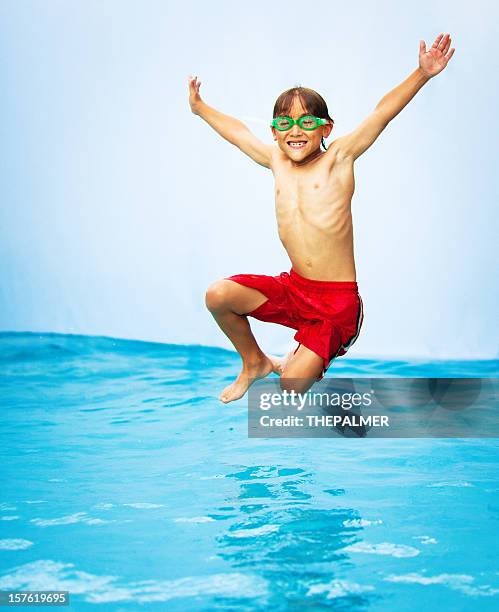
(229, 302)
(301, 370)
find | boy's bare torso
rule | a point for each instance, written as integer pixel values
(314, 218)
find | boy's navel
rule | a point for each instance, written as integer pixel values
(316, 185)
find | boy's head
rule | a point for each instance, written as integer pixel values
(297, 142)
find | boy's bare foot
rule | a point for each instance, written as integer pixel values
(239, 387)
(280, 363)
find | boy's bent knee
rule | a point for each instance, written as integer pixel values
(217, 295)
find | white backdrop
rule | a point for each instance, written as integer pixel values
(119, 207)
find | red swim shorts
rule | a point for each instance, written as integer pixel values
(327, 315)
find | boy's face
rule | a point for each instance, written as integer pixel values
(306, 142)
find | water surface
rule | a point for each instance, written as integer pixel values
(126, 482)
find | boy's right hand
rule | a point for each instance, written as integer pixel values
(194, 97)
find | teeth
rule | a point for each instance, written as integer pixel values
(297, 145)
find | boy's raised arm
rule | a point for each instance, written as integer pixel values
(233, 130)
(431, 63)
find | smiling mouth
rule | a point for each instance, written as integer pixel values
(297, 144)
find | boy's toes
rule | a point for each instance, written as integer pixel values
(277, 364)
(225, 396)
(232, 392)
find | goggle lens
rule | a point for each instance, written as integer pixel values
(283, 123)
(308, 123)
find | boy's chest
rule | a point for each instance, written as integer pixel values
(313, 186)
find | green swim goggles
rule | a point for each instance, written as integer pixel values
(308, 122)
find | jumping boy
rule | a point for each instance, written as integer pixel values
(313, 189)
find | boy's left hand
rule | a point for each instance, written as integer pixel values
(437, 57)
(194, 97)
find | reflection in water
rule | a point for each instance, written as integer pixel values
(284, 537)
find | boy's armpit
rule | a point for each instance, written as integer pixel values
(355, 143)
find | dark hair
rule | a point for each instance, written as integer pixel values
(311, 101)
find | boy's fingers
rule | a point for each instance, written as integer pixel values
(194, 84)
(437, 41)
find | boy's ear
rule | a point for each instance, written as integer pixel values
(274, 133)
(328, 128)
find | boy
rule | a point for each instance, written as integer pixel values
(319, 296)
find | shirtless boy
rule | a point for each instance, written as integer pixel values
(313, 192)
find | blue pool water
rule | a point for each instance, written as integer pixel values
(127, 483)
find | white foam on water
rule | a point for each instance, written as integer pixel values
(361, 523)
(8, 518)
(264, 471)
(144, 505)
(338, 588)
(194, 519)
(257, 531)
(383, 548)
(77, 517)
(459, 483)
(103, 506)
(49, 575)
(15, 544)
(36, 501)
(457, 582)
(424, 539)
